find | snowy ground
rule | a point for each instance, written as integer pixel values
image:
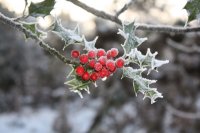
(42, 120)
(28, 121)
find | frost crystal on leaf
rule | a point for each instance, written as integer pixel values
(68, 36)
(131, 41)
(89, 45)
(145, 62)
(77, 86)
(33, 27)
(141, 84)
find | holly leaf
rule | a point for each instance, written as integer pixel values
(77, 86)
(193, 9)
(145, 61)
(71, 74)
(32, 27)
(41, 9)
(89, 45)
(141, 84)
(68, 36)
(131, 41)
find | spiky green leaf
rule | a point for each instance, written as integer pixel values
(141, 84)
(89, 45)
(193, 9)
(68, 36)
(145, 61)
(131, 41)
(32, 27)
(77, 86)
(41, 9)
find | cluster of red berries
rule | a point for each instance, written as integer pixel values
(97, 63)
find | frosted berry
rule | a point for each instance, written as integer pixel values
(75, 53)
(110, 65)
(98, 66)
(80, 70)
(94, 76)
(108, 54)
(91, 54)
(83, 58)
(101, 52)
(86, 76)
(119, 62)
(102, 60)
(104, 73)
(92, 63)
(114, 52)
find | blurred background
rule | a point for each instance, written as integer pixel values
(34, 99)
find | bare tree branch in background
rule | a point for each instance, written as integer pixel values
(140, 26)
(183, 114)
(182, 48)
(95, 12)
(124, 8)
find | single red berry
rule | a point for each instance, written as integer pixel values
(113, 70)
(119, 62)
(92, 63)
(91, 54)
(75, 53)
(110, 65)
(98, 66)
(101, 52)
(86, 76)
(94, 76)
(114, 52)
(108, 54)
(83, 58)
(103, 73)
(102, 60)
(80, 70)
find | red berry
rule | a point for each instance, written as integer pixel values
(75, 53)
(83, 58)
(110, 65)
(108, 54)
(98, 66)
(114, 52)
(101, 52)
(86, 76)
(102, 60)
(80, 70)
(104, 73)
(94, 76)
(92, 63)
(91, 54)
(119, 62)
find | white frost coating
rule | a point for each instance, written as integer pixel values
(68, 36)
(154, 97)
(122, 33)
(158, 63)
(77, 86)
(145, 61)
(141, 84)
(89, 45)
